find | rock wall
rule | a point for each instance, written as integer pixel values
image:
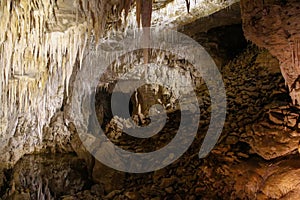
(36, 74)
(39, 43)
(274, 25)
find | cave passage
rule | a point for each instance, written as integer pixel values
(255, 46)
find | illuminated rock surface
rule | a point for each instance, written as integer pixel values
(42, 44)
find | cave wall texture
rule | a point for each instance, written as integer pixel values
(41, 45)
(274, 25)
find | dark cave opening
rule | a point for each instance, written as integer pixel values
(103, 105)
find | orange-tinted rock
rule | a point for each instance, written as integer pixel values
(275, 26)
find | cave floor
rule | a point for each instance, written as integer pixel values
(243, 165)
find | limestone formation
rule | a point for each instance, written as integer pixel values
(41, 43)
(274, 25)
(42, 46)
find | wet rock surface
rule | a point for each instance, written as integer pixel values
(47, 176)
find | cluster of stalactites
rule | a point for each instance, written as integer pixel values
(36, 62)
(37, 58)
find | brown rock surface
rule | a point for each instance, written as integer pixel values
(110, 178)
(273, 137)
(275, 26)
(257, 179)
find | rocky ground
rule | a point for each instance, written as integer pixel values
(255, 158)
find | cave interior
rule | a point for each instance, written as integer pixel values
(67, 100)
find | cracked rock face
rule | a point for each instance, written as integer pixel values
(275, 26)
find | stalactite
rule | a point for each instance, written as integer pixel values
(144, 16)
(138, 12)
(31, 56)
(188, 3)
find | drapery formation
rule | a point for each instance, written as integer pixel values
(40, 41)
